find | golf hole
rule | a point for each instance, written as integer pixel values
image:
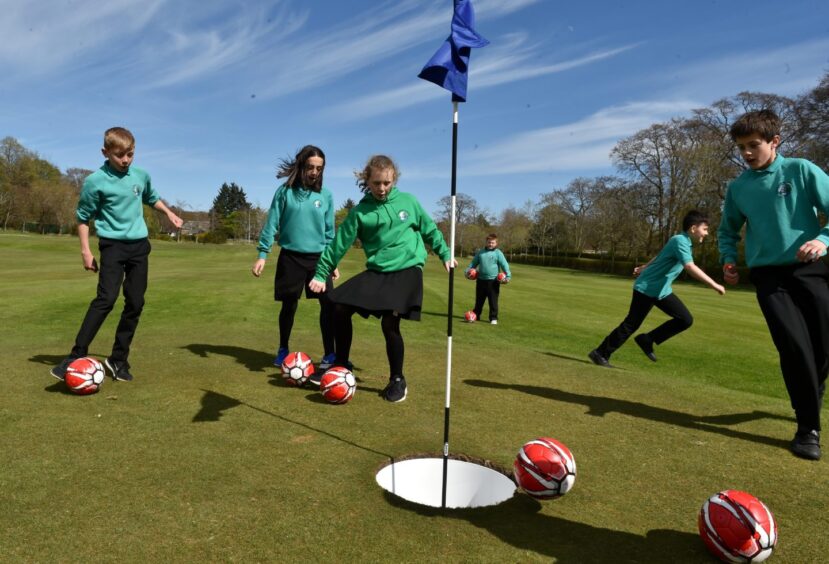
(469, 482)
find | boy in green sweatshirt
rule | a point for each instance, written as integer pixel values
(114, 196)
(392, 227)
(489, 262)
(777, 199)
(653, 287)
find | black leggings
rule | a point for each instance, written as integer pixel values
(286, 322)
(390, 324)
(640, 306)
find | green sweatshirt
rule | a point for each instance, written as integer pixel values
(657, 278)
(392, 231)
(778, 205)
(302, 219)
(489, 262)
(116, 201)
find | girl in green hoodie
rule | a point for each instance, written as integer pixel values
(393, 229)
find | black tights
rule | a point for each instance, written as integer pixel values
(286, 322)
(390, 324)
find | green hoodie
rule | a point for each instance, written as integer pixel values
(392, 232)
(489, 262)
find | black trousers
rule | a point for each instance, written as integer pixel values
(794, 300)
(487, 290)
(389, 323)
(123, 263)
(640, 306)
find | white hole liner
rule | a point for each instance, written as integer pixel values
(420, 480)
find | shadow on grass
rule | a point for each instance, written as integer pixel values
(600, 406)
(59, 388)
(47, 359)
(256, 361)
(584, 360)
(214, 404)
(518, 522)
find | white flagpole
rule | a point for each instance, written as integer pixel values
(451, 300)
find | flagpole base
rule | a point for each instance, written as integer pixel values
(470, 483)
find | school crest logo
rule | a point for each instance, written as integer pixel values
(317, 203)
(784, 189)
(136, 190)
(403, 215)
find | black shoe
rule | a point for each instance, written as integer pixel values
(806, 444)
(598, 359)
(646, 344)
(395, 392)
(59, 371)
(118, 369)
(315, 378)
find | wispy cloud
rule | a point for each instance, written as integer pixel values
(584, 144)
(38, 38)
(511, 60)
(787, 70)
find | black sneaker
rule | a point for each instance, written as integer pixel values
(598, 359)
(646, 344)
(118, 369)
(806, 444)
(59, 371)
(395, 392)
(315, 378)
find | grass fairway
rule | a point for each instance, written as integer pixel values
(208, 456)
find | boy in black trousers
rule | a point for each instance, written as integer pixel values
(114, 196)
(776, 198)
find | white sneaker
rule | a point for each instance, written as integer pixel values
(494, 322)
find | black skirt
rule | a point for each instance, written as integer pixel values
(378, 293)
(293, 273)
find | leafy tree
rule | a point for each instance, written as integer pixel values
(231, 198)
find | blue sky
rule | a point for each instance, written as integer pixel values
(219, 91)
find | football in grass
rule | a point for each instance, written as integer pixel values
(737, 527)
(84, 376)
(545, 468)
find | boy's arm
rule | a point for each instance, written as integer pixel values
(700, 275)
(503, 264)
(637, 270)
(728, 233)
(817, 184)
(86, 253)
(476, 260)
(174, 219)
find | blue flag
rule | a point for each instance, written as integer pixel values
(449, 66)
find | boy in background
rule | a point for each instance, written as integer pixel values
(653, 288)
(114, 196)
(489, 262)
(776, 198)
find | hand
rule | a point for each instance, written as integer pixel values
(450, 264)
(719, 289)
(811, 251)
(175, 220)
(336, 274)
(258, 267)
(316, 286)
(730, 274)
(89, 262)
(638, 270)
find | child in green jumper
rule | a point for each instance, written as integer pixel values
(114, 196)
(392, 227)
(776, 198)
(653, 288)
(301, 217)
(489, 263)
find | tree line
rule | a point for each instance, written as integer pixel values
(662, 171)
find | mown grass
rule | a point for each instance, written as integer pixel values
(208, 456)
